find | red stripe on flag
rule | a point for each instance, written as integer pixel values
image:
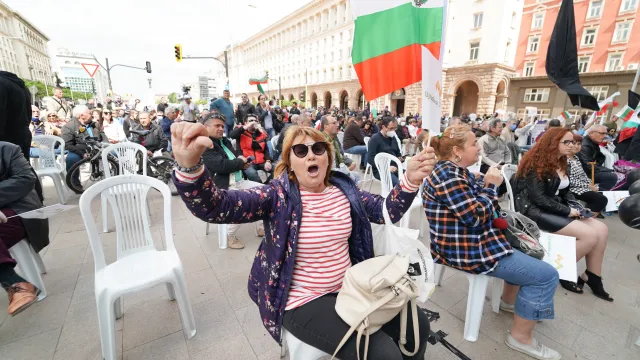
(627, 133)
(392, 71)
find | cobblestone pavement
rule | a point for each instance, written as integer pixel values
(64, 325)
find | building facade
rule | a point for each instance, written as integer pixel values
(608, 53)
(76, 77)
(310, 49)
(23, 48)
(208, 87)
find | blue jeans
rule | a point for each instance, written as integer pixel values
(71, 159)
(271, 133)
(359, 150)
(537, 280)
(252, 173)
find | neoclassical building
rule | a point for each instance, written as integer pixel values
(311, 49)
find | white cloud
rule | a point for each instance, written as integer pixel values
(134, 31)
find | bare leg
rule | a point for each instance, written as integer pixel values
(522, 329)
(596, 256)
(509, 293)
(586, 237)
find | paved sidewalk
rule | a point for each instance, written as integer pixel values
(64, 325)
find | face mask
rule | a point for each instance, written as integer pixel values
(391, 133)
(36, 121)
(513, 127)
(402, 123)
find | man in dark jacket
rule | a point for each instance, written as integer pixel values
(170, 115)
(225, 164)
(385, 142)
(294, 110)
(244, 109)
(353, 141)
(15, 112)
(150, 135)
(131, 122)
(17, 182)
(606, 178)
(76, 131)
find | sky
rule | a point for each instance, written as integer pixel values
(134, 31)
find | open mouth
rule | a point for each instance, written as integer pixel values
(313, 170)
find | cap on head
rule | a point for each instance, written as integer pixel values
(186, 97)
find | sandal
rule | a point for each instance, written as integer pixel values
(572, 286)
(595, 283)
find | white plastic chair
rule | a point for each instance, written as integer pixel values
(299, 350)
(50, 165)
(30, 265)
(383, 163)
(274, 141)
(127, 154)
(475, 299)
(475, 168)
(368, 170)
(139, 265)
(223, 241)
(508, 170)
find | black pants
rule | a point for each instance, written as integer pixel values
(503, 187)
(596, 202)
(606, 180)
(316, 323)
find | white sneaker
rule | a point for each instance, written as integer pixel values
(507, 307)
(535, 350)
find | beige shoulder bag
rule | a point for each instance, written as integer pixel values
(374, 292)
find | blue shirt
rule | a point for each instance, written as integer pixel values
(225, 108)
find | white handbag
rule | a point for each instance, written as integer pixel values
(389, 239)
(374, 292)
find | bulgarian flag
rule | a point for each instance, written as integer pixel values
(564, 116)
(262, 80)
(388, 41)
(626, 113)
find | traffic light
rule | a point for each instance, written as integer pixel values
(303, 96)
(148, 67)
(178, 51)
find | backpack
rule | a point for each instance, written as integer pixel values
(374, 292)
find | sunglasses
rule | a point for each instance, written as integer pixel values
(52, 116)
(106, 113)
(301, 150)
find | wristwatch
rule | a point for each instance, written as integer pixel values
(189, 169)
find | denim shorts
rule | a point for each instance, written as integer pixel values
(537, 280)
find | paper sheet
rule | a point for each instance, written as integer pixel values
(561, 254)
(45, 212)
(615, 198)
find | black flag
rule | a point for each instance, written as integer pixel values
(562, 59)
(634, 100)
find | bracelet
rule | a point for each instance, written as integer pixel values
(189, 169)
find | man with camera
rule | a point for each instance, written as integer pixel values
(252, 141)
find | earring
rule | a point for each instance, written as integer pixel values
(457, 158)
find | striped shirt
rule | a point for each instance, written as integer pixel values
(322, 254)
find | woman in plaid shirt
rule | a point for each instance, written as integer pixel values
(461, 207)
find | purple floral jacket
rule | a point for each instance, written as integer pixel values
(278, 204)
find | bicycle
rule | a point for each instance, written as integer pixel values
(89, 170)
(159, 167)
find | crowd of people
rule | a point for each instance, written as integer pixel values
(296, 178)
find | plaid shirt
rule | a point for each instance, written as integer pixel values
(460, 211)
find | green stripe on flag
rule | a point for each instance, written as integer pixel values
(386, 31)
(260, 89)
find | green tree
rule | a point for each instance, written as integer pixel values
(201, 102)
(173, 98)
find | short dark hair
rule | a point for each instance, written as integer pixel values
(386, 120)
(555, 123)
(245, 94)
(294, 103)
(213, 116)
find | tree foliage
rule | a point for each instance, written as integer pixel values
(201, 102)
(42, 91)
(173, 98)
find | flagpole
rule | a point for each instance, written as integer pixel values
(635, 80)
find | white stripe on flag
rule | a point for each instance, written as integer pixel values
(366, 7)
(432, 86)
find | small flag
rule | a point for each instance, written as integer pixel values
(564, 116)
(626, 113)
(258, 82)
(260, 89)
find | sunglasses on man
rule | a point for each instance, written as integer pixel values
(301, 150)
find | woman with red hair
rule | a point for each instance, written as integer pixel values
(542, 193)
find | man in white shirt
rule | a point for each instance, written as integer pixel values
(188, 110)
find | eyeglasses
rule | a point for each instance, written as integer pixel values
(601, 132)
(106, 113)
(568, 142)
(301, 150)
(52, 116)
